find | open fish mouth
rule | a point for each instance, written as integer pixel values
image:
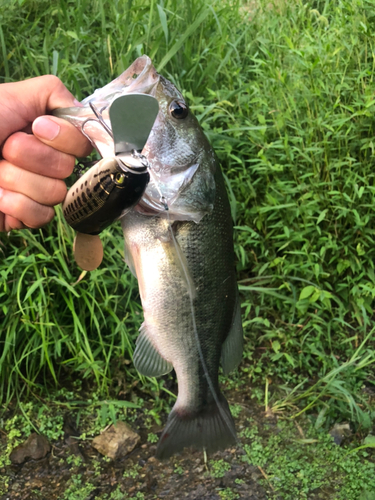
(140, 78)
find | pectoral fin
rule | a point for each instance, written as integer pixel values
(129, 259)
(146, 358)
(231, 352)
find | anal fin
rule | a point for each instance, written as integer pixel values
(146, 358)
(231, 351)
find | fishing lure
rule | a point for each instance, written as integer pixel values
(115, 184)
(105, 192)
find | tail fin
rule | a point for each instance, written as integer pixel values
(210, 429)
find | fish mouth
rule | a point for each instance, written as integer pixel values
(140, 78)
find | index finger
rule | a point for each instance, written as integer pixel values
(29, 153)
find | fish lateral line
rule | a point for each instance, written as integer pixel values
(183, 265)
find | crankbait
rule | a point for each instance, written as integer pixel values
(115, 184)
(105, 192)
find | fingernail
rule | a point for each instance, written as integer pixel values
(45, 128)
(77, 103)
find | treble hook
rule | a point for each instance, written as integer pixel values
(99, 116)
(100, 119)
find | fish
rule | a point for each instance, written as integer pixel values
(179, 245)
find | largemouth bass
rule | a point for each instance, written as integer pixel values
(179, 245)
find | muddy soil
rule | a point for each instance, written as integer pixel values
(140, 475)
(47, 479)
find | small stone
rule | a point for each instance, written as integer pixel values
(34, 483)
(340, 431)
(117, 441)
(35, 447)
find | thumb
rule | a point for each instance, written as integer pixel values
(24, 101)
(61, 135)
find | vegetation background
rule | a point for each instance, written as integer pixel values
(285, 91)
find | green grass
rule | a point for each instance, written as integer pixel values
(53, 323)
(285, 92)
(300, 467)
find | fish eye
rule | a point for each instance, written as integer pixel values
(119, 178)
(178, 109)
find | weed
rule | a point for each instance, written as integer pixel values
(50, 426)
(228, 494)
(178, 470)
(139, 496)
(97, 467)
(235, 410)
(117, 494)
(77, 490)
(218, 468)
(314, 463)
(74, 460)
(152, 438)
(4, 483)
(299, 175)
(132, 472)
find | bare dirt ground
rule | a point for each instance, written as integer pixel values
(78, 472)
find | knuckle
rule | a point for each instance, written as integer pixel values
(72, 141)
(18, 204)
(64, 165)
(46, 215)
(13, 223)
(52, 81)
(57, 192)
(10, 176)
(13, 148)
(41, 215)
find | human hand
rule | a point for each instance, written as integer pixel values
(33, 166)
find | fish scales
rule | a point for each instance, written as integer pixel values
(208, 248)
